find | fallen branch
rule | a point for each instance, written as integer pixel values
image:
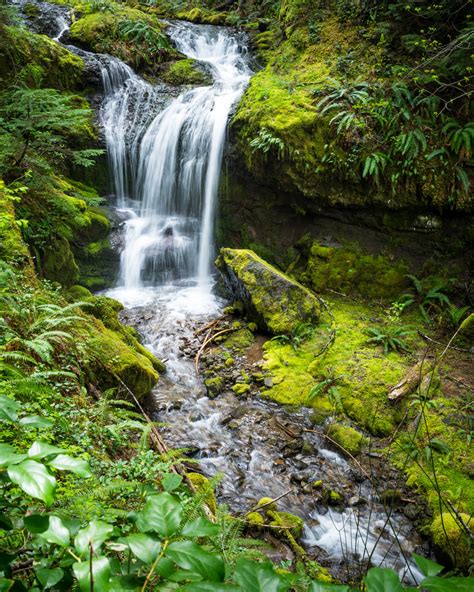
(269, 503)
(411, 380)
(209, 325)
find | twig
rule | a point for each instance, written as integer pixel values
(209, 325)
(269, 503)
(431, 340)
(205, 343)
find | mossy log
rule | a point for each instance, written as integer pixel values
(411, 380)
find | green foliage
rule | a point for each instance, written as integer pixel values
(428, 298)
(43, 123)
(390, 337)
(139, 31)
(301, 333)
(266, 142)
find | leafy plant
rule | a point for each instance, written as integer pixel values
(266, 141)
(390, 337)
(428, 298)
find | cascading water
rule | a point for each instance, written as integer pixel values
(165, 161)
(175, 177)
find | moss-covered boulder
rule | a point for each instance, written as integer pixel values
(450, 536)
(59, 264)
(186, 72)
(347, 437)
(274, 301)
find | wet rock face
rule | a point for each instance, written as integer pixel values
(274, 301)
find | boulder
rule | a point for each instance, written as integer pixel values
(275, 302)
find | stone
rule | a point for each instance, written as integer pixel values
(275, 302)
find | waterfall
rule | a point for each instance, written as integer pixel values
(166, 168)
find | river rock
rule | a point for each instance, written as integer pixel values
(274, 301)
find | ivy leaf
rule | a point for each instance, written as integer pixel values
(171, 481)
(100, 574)
(381, 579)
(255, 577)
(36, 421)
(42, 449)
(8, 409)
(35, 480)
(65, 462)
(192, 557)
(57, 532)
(95, 533)
(427, 567)
(200, 527)
(36, 523)
(143, 546)
(49, 577)
(162, 514)
(9, 456)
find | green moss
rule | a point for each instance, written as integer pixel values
(241, 388)
(12, 248)
(288, 521)
(186, 72)
(255, 519)
(59, 264)
(452, 539)
(347, 437)
(203, 486)
(78, 293)
(267, 502)
(350, 271)
(57, 66)
(214, 386)
(273, 300)
(239, 340)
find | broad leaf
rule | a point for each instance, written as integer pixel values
(321, 587)
(437, 584)
(36, 523)
(162, 514)
(8, 408)
(49, 577)
(35, 480)
(42, 449)
(126, 583)
(9, 456)
(5, 584)
(78, 466)
(95, 533)
(381, 579)
(255, 577)
(427, 567)
(143, 546)
(57, 532)
(171, 481)
(36, 421)
(100, 574)
(192, 557)
(200, 527)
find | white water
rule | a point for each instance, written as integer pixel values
(166, 172)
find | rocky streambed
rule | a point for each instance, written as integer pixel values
(354, 511)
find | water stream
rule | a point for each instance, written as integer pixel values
(165, 159)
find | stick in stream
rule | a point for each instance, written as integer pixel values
(272, 501)
(206, 342)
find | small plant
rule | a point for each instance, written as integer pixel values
(390, 337)
(427, 298)
(266, 141)
(300, 333)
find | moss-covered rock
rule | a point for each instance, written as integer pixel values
(59, 264)
(203, 486)
(75, 293)
(241, 388)
(347, 437)
(274, 301)
(187, 72)
(214, 386)
(287, 521)
(452, 539)
(350, 271)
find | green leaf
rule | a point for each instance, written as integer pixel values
(36, 421)
(49, 577)
(436, 584)
(5, 584)
(171, 481)
(78, 466)
(162, 514)
(126, 583)
(427, 567)
(257, 577)
(36, 523)
(35, 480)
(381, 579)
(200, 527)
(9, 456)
(194, 558)
(143, 546)
(57, 532)
(8, 409)
(210, 587)
(95, 533)
(100, 574)
(42, 449)
(320, 587)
